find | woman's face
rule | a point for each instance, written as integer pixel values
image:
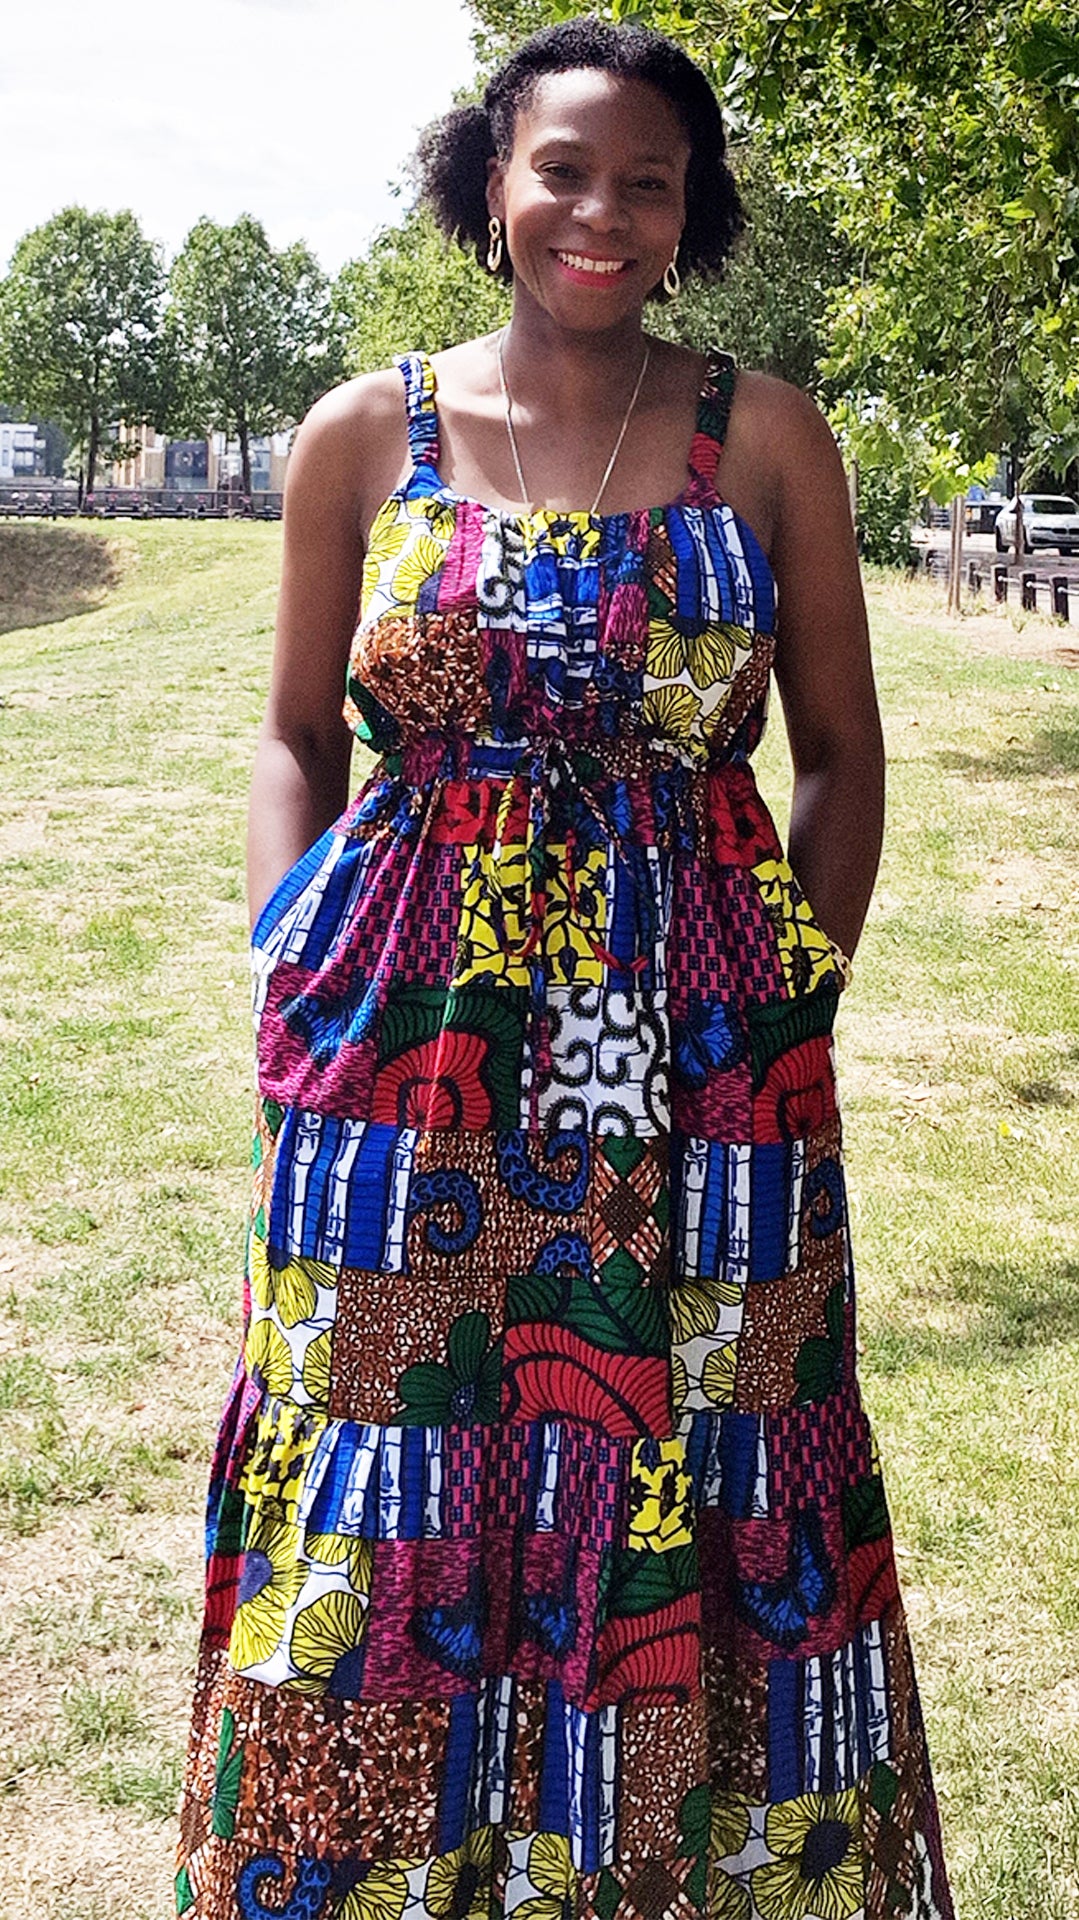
(592, 196)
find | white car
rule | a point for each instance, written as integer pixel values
(1049, 520)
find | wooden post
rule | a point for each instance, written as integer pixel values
(974, 577)
(1060, 595)
(1000, 584)
(1028, 583)
(955, 569)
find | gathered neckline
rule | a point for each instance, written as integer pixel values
(422, 406)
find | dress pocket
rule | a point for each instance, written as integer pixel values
(291, 885)
(807, 953)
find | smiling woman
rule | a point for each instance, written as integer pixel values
(550, 1565)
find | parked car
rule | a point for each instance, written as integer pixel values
(1049, 520)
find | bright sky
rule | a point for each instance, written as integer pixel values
(301, 112)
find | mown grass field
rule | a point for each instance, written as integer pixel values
(129, 697)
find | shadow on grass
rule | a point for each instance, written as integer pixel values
(49, 573)
(1052, 749)
(1010, 1312)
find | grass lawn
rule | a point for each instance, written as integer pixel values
(129, 697)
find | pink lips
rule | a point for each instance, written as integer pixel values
(584, 277)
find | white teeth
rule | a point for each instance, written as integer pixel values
(591, 266)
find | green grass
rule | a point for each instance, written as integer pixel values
(126, 734)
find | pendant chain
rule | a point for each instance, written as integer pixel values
(609, 469)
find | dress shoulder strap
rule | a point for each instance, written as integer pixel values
(717, 394)
(420, 409)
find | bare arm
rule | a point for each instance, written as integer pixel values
(300, 779)
(825, 676)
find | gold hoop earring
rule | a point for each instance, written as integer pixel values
(672, 284)
(494, 250)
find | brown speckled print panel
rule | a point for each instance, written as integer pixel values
(659, 1742)
(389, 1321)
(322, 1775)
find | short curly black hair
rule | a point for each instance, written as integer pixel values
(451, 160)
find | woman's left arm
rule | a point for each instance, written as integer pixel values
(825, 674)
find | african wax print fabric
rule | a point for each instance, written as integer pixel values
(550, 1571)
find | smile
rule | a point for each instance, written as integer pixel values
(581, 263)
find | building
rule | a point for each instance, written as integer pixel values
(199, 466)
(22, 450)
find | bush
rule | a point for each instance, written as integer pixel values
(887, 504)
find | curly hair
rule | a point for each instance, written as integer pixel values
(452, 157)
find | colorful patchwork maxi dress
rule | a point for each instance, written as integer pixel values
(550, 1572)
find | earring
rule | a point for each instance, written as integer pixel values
(494, 250)
(672, 284)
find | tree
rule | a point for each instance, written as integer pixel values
(80, 317)
(941, 139)
(414, 288)
(771, 303)
(255, 338)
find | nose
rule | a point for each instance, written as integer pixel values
(601, 207)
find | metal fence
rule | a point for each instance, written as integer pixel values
(42, 501)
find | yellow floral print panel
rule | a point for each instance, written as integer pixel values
(501, 898)
(804, 949)
(273, 1575)
(293, 1288)
(818, 1869)
(688, 673)
(382, 1894)
(290, 1332)
(406, 550)
(660, 1497)
(542, 1881)
(278, 1459)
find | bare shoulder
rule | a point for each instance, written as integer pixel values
(349, 447)
(779, 419)
(780, 456)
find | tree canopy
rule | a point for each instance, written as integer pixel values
(940, 139)
(412, 282)
(253, 335)
(80, 318)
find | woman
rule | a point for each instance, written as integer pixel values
(550, 1566)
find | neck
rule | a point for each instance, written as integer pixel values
(568, 369)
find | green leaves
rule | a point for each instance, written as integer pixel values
(255, 327)
(80, 322)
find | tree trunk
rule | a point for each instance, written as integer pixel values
(92, 446)
(245, 456)
(1017, 537)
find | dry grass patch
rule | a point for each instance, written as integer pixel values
(51, 572)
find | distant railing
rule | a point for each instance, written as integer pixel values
(1053, 593)
(138, 503)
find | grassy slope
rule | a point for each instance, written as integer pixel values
(125, 1089)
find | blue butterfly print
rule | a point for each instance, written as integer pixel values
(325, 1026)
(452, 1634)
(551, 1622)
(707, 1041)
(781, 1610)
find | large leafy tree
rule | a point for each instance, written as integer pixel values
(771, 303)
(254, 336)
(940, 138)
(80, 319)
(413, 288)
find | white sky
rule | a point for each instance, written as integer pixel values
(301, 112)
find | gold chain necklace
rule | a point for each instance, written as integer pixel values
(609, 469)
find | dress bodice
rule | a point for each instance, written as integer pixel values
(510, 629)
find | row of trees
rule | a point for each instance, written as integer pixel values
(94, 331)
(911, 169)
(938, 142)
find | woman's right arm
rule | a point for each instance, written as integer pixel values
(300, 780)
